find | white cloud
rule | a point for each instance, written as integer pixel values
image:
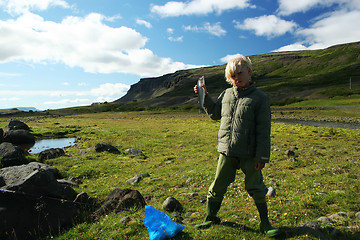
(82, 84)
(229, 57)
(292, 47)
(170, 30)
(5, 74)
(176, 39)
(198, 7)
(270, 26)
(214, 29)
(76, 101)
(105, 92)
(17, 7)
(81, 42)
(333, 29)
(144, 23)
(288, 7)
(112, 18)
(328, 30)
(108, 89)
(10, 99)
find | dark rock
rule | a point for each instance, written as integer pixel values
(313, 225)
(82, 197)
(119, 200)
(335, 233)
(36, 179)
(2, 181)
(51, 153)
(135, 152)
(136, 179)
(339, 215)
(289, 153)
(15, 173)
(16, 125)
(20, 137)
(29, 217)
(325, 220)
(102, 147)
(313, 228)
(171, 205)
(11, 155)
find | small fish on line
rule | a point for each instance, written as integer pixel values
(201, 91)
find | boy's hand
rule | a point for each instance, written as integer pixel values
(259, 165)
(196, 89)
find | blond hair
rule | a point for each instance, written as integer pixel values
(234, 64)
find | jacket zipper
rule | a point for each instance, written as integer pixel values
(232, 124)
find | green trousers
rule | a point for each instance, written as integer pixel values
(226, 172)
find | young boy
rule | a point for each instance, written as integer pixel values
(243, 141)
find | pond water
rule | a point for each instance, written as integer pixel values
(45, 144)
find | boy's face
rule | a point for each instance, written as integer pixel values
(241, 77)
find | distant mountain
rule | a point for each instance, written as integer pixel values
(18, 110)
(284, 76)
(28, 109)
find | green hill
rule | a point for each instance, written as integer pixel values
(285, 76)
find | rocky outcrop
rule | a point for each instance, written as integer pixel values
(19, 137)
(136, 179)
(119, 200)
(16, 125)
(11, 155)
(36, 179)
(33, 202)
(135, 152)
(26, 216)
(51, 153)
(102, 147)
(171, 204)
(154, 87)
(15, 140)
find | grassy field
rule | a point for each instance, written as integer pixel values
(321, 179)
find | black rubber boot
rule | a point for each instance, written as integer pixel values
(212, 208)
(265, 226)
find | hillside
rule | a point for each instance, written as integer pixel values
(284, 76)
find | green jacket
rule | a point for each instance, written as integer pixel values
(245, 122)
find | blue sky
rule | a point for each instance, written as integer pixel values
(63, 53)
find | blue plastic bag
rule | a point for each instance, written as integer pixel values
(159, 225)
